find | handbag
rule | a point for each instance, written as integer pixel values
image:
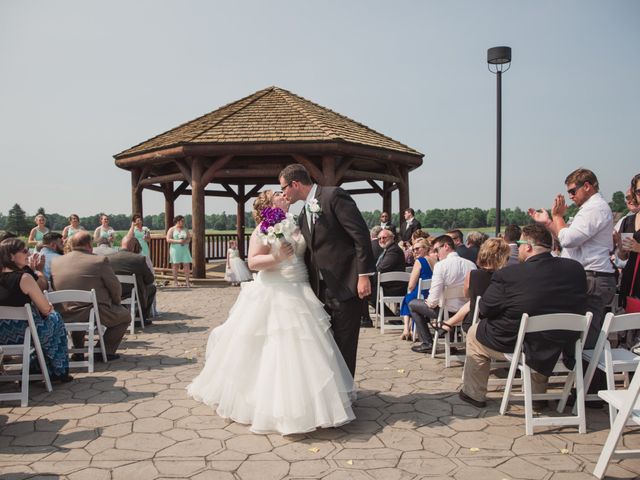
(633, 303)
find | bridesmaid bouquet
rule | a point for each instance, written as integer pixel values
(276, 224)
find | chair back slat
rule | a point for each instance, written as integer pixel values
(628, 321)
(558, 321)
(13, 313)
(130, 279)
(394, 277)
(62, 296)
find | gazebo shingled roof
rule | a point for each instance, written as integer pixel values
(270, 115)
(249, 141)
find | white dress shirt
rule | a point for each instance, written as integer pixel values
(449, 272)
(589, 237)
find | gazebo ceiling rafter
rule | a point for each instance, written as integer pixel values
(249, 141)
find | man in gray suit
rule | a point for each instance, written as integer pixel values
(128, 261)
(82, 270)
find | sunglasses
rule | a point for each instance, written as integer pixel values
(525, 242)
(416, 249)
(572, 191)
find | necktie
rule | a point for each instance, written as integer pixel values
(380, 258)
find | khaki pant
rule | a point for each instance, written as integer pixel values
(477, 368)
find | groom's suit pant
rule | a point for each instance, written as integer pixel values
(345, 322)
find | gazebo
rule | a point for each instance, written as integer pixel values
(243, 146)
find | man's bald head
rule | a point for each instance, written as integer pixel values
(81, 241)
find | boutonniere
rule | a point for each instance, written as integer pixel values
(314, 208)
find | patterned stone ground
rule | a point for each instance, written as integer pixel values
(132, 419)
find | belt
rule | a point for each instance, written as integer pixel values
(600, 274)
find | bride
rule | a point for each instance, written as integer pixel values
(274, 363)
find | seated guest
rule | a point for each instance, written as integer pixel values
(422, 270)
(460, 248)
(390, 260)
(104, 247)
(52, 247)
(450, 271)
(128, 261)
(81, 270)
(419, 234)
(474, 242)
(375, 245)
(409, 260)
(541, 284)
(385, 222)
(17, 288)
(511, 236)
(493, 255)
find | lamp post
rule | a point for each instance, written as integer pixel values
(499, 60)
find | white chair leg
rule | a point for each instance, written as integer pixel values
(90, 339)
(381, 316)
(507, 388)
(580, 394)
(434, 348)
(447, 350)
(566, 391)
(611, 385)
(26, 363)
(528, 399)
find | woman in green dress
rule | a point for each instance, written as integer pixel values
(73, 227)
(104, 230)
(38, 232)
(178, 238)
(142, 234)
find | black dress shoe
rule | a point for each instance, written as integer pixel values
(366, 323)
(110, 356)
(466, 398)
(61, 378)
(77, 357)
(422, 348)
(147, 323)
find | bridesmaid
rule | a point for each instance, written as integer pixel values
(39, 231)
(142, 234)
(178, 238)
(73, 227)
(104, 230)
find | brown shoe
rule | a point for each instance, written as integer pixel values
(466, 398)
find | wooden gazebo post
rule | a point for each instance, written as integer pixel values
(240, 219)
(169, 205)
(197, 218)
(136, 191)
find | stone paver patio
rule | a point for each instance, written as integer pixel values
(132, 419)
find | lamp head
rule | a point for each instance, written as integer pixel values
(499, 58)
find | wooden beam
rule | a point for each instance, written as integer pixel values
(240, 220)
(143, 175)
(344, 166)
(254, 191)
(155, 188)
(197, 213)
(329, 170)
(386, 198)
(376, 187)
(228, 188)
(314, 171)
(249, 172)
(214, 167)
(210, 193)
(173, 177)
(184, 168)
(180, 190)
(136, 194)
(169, 205)
(358, 175)
(358, 191)
(403, 191)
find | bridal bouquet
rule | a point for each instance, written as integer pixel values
(276, 224)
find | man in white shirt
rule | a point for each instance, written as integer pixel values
(450, 271)
(587, 239)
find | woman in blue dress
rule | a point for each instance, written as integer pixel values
(422, 270)
(18, 287)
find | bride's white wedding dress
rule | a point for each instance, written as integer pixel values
(274, 363)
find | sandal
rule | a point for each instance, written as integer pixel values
(442, 330)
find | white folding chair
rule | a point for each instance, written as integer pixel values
(448, 294)
(628, 406)
(133, 301)
(389, 299)
(611, 360)
(90, 328)
(422, 285)
(541, 323)
(409, 269)
(30, 344)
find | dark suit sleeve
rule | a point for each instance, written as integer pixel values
(393, 261)
(350, 218)
(492, 301)
(111, 282)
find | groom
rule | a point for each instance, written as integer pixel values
(339, 255)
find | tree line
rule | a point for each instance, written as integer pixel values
(17, 220)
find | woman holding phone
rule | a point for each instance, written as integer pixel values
(628, 243)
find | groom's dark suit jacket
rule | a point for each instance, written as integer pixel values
(339, 246)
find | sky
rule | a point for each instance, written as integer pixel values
(81, 81)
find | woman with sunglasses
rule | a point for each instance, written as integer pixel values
(422, 270)
(628, 246)
(18, 287)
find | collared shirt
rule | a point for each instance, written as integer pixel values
(449, 272)
(48, 256)
(310, 196)
(588, 239)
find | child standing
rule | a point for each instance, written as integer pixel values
(236, 270)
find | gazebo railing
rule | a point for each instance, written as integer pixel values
(216, 245)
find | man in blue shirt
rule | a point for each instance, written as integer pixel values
(52, 247)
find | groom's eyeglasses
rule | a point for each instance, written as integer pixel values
(283, 188)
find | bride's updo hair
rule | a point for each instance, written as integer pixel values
(263, 201)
